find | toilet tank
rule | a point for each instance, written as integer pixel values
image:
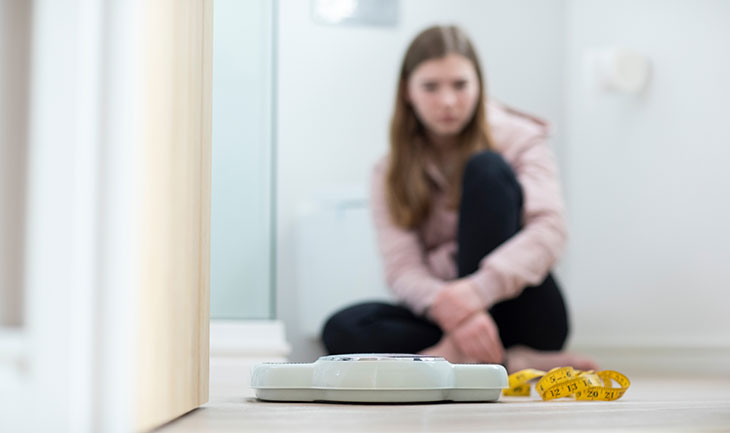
(337, 262)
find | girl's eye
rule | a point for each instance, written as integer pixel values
(460, 85)
(430, 87)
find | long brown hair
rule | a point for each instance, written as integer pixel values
(408, 189)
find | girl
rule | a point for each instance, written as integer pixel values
(469, 220)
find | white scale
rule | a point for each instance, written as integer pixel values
(378, 378)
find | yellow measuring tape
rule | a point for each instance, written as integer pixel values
(566, 382)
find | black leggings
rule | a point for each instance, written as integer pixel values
(490, 213)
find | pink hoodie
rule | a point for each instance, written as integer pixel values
(419, 262)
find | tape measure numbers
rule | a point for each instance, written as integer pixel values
(566, 381)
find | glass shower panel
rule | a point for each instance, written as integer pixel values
(241, 214)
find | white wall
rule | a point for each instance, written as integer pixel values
(335, 93)
(648, 177)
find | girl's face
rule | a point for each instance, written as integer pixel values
(444, 93)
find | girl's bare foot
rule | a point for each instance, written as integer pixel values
(522, 357)
(447, 349)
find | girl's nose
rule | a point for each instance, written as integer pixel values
(447, 97)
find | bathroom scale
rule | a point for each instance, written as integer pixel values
(378, 378)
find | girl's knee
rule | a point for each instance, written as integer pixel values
(488, 166)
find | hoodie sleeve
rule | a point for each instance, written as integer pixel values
(402, 252)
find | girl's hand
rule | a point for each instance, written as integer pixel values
(454, 304)
(478, 338)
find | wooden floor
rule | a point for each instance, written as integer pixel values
(651, 404)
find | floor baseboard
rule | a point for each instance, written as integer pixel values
(691, 360)
(238, 345)
(256, 339)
